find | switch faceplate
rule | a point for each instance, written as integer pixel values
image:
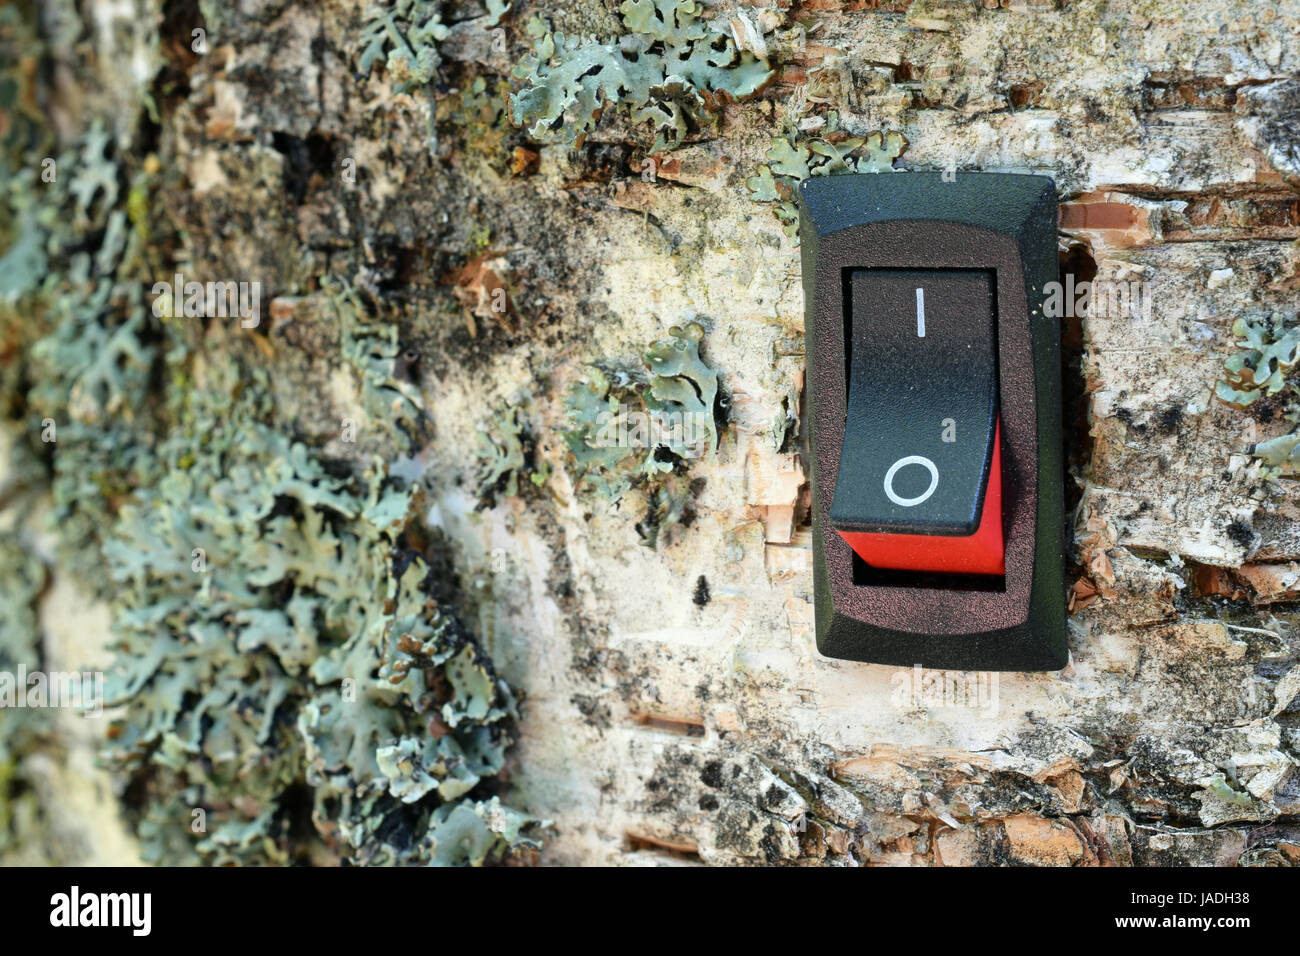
(934, 398)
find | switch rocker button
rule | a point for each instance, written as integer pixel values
(919, 484)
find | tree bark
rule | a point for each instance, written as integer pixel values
(674, 707)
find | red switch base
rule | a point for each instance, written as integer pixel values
(978, 553)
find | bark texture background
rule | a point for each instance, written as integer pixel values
(674, 706)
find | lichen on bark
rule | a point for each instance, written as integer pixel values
(675, 709)
(288, 686)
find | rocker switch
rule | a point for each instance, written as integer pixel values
(919, 485)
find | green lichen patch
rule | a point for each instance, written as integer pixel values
(505, 456)
(794, 156)
(277, 643)
(371, 347)
(630, 427)
(1262, 369)
(404, 36)
(291, 691)
(668, 69)
(1279, 455)
(22, 729)
(478, 111)
(84, 346)
(1269, 351)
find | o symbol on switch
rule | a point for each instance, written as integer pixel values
(902, 463)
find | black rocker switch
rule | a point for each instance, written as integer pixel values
(934, 397)
(922, 413)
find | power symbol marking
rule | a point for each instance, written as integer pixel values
(903, 463)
